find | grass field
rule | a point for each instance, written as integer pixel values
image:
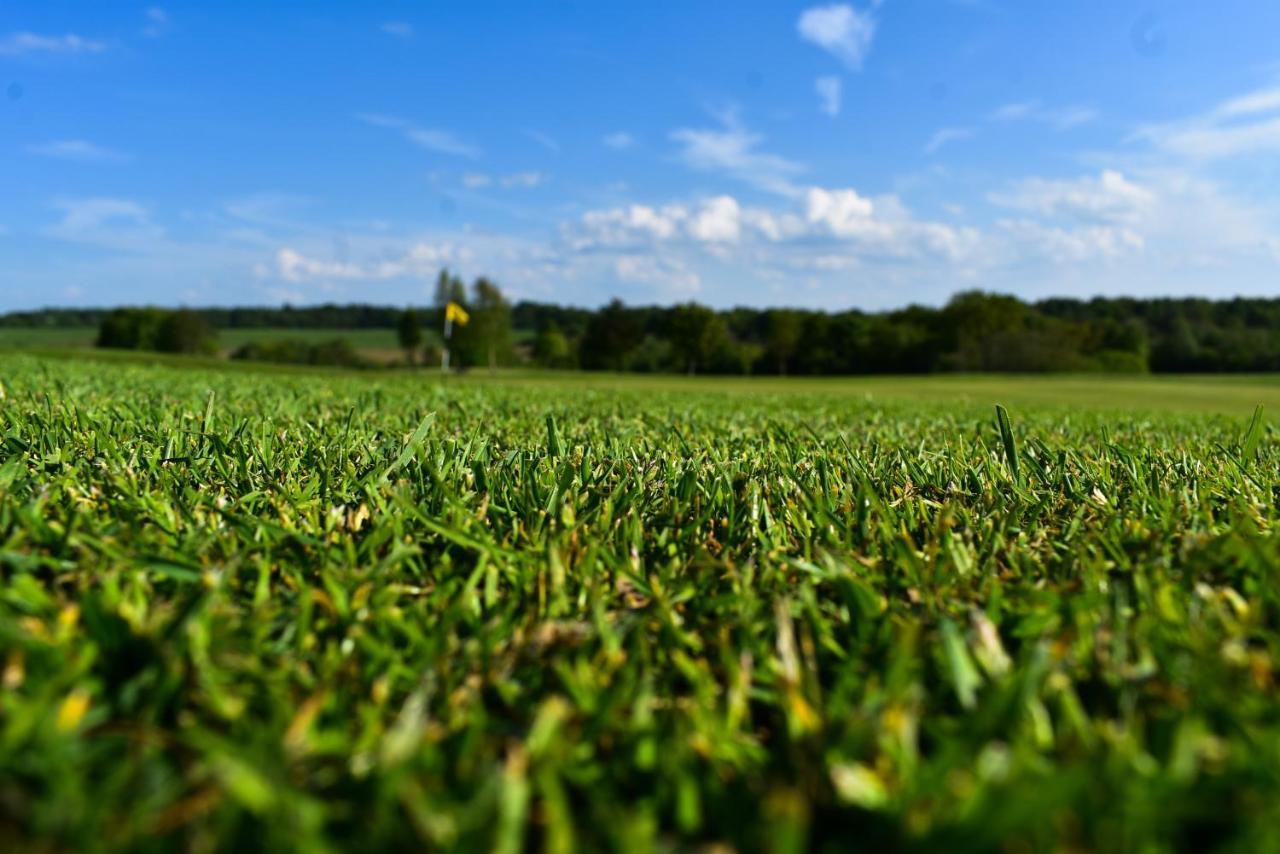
(298, 610)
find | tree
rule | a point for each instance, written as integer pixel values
(489, 332)
(696, 332)
(782, 335)
(551, 348)
(409, 332)
(611, 334)
(449, 288)
(182, 331)
(185, 331)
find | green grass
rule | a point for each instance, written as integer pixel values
(299, 610)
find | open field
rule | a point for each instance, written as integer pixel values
(297, 609)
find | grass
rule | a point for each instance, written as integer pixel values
(304, 610)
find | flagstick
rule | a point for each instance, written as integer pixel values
(448, 333)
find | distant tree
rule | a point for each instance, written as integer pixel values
(185, 331)
(782, 335)
(409, 333)
(695, 332)
(489, 332)
(551, 348)
(181, 331)
(449, 288)
(611, 334)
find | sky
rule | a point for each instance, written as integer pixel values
(832, 155)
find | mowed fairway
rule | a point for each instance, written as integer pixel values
(306, 610)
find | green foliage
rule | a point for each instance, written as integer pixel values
(975, 331)
(321, 612)
(551, 349)
(409, 333)
(181, 331)
(339, 352)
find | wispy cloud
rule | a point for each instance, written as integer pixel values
(17, 44)
(829, 90)
(524, 180)
(110, 223)
(1246, 124)
(946, 136)
(1108, 198)
(619, 141)
(157, 23)
(1061, 118)
(517, 180)
(78, 150)
(545, 140)
(734, 150)
(841, 30)
(432, 139)
(399, 29)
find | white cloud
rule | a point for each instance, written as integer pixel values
(825, 217)
(440, 141)
(545, 140)
(1071, 245)
(1060, 118)
(670, 276)
(717, 221)
(22, 43)
(1108, 198)
(78, 150)
(733, 150)
(110, 223)
(399, 29)
(517, 180)
(620, 140)
(524, 180)
(420, 260)
(945, 136)
(157, 22)
(841, 30)
(828, 89)
(1245, 125)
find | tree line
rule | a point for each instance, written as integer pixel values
(974, 331)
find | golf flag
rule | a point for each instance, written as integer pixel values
(456, 314)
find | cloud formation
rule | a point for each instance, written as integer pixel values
(733, 150)
(945, 136)
(619, 140)
(432, 139)
(1060, 118)
(841, 30)
(829, 90)
(17, 44)
(77, 150)
(1245, 125)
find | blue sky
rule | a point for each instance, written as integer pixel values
(868, 154)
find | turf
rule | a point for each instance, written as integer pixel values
(298, 610)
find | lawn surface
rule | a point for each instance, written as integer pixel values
(301, 610)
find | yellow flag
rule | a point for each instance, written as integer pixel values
(456, 313)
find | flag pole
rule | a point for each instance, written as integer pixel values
(448, 333)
